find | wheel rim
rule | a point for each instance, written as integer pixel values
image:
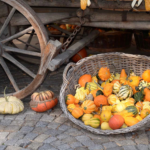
(21, 7)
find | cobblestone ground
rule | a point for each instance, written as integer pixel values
(53, 131)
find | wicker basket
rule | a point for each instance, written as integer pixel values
(90, 65)
(111, 41)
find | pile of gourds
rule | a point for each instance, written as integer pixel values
(111, 100)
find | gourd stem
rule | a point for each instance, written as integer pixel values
(5, 94)
(101, 88)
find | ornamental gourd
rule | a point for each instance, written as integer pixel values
(43, 101)
(144, 113)
(146, 105)
(116, 122)
(77, 112)
(100, 100)
(86, 117)
(91, 86)
(84, 79)
(70, 107)
(123, 74)
(116, 87)
(104, 74)
(143, 84)
(10, 105)
(88, 106)
(113, 99)
(139, 96)
(105, 126)
(105, 115)
(70, 99)
(139, 105)
(108, 88)
(130, 121)
(94, 122)
(120, 107)
(147, 94)
(146, 75)
(125, 92)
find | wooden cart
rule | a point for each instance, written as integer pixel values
(28, 17)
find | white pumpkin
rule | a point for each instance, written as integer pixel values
(10, 105)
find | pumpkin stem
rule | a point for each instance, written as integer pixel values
(5, 94)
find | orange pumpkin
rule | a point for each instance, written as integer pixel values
(146, 75)
(88, 106)
(85, 78)
(147, 94)
(108, 88)
(100, 100)
(41, 106)
(93, 92)
(144, 113)
(104, 74)
(130, 121)
(123, 74)
(116, 122)
(99, 117)
(81, 54)
(139, 105)
(77, 112)
(70, 99)
(114, 81)
(124, 81)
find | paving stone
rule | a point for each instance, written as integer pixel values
(11, 141)
(39, 130)
(16, 134)
(2, 117)
(47, 118)
(2, 128)
(91, 135)
(129, 136)
(13, 148)
(41, 124)
(96, 147)
(62, 136)
(143, 140)
(63, 147)
(69, 140)
(119, 137)
(11, 117)
(64, 127)
(45, 147)
(31, 136)
(35, 145)
(30, 123)
(23, 142)
(53, 125)
(29, 111)
(57, 143)
(26, 129)
(25, 149)
(3, 135)
(125, 142)
(5, 122)
(20, 117)
(17, 122)
(81, 148)
(142, 147)
(82, 138)
(50, 139)
(60, 120)
(52, 132)
(101, 141)
(129, 147)
(41, 138)
(109, 145)
(115, 148)
(75, 145)
(12, 128)
(52, 148)
(2, 147)
(74, 132)
(33, 116)
(56, 112)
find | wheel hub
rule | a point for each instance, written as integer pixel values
(1, 49)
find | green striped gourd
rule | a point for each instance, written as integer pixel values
(116, 87)
(94, 122)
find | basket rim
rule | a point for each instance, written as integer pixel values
(81, 124)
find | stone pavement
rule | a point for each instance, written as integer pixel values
(53, 131)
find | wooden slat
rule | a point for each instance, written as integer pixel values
(6, 69)
(72, 50)
(21, 51)
(18, 64)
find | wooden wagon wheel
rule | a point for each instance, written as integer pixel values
(6, 51)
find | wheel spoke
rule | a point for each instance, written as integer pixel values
(6, 69)
(21, 51)
(18, 64)
(19, 34)
(7, 21)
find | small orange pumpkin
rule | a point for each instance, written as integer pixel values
(123, 74)
(84, 79)
(147, 94)
(139, 105)
(70, 99)
(116, 122)
(114, 81)
(146, 75)
(144, 113)
(88, 106)
(77, 112)
(100, 100)
(108, 88)
(104, 74)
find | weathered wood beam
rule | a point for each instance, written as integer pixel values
(76, 3)
(72, 50)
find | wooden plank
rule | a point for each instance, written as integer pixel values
(72, 50)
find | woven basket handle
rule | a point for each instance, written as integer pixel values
(66, 71)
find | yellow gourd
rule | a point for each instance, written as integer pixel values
(146, 105)
(120, 107)
(70, 107)
(109, 108)
(105, 126)
(113, 99)
(94, 122)
(86, 117)
(130, 121)
(104, 83)
(138, 117)
(124, 126)
(94, 79)
(106, 115)
(81, 93)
